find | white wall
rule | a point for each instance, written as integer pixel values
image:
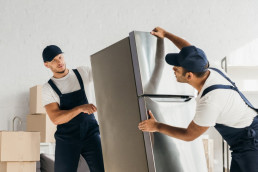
(82, 27)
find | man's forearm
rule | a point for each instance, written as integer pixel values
(176, 132)
(64, 116)
(179, 42)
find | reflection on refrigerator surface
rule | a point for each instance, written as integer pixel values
(172, 154)
(154, 75)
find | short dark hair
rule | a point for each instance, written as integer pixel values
(197, 74)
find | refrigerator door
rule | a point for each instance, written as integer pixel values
(172, 154)
(153, 75)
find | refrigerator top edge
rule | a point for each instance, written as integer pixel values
(104, 49)
(132, 32)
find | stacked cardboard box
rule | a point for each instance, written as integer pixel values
(17, 166)
(36, 106)
(42, 123)
(19, 151)
(38, 120)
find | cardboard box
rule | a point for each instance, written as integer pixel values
(17, 166)
(36, 100)
(19, 146)
(42, 124)
(209, 153)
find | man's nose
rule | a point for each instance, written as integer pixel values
(58, 61)
(174, 68)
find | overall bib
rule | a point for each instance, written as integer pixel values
(243, 142)
(78, 136)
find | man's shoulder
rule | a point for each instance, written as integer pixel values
(83, 68)
(217, 77)
(85, 71)
(46, 87)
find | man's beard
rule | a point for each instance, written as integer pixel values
(180, 80)
(61, 71)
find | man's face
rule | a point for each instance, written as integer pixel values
(178, 71)
(57, 65)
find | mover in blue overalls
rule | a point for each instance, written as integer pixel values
(66, 103)
(219, 103)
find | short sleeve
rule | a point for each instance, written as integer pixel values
(86, 73)
(207, 112)
(47, 97)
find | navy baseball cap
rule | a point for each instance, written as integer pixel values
(50, 52)
(191, 58)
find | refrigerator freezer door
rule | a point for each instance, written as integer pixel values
(172, 154)
(153, 75)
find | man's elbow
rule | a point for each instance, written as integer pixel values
(58, 121)
(54, 119)
(190, 138)
(55, 122)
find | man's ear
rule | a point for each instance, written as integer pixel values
(189, 75)
(46, 64)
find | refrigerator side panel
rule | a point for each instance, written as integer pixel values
(153, 75)
(118, 109)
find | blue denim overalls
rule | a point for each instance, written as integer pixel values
(243, 142)
(78, 136)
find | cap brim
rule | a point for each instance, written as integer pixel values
(171, 59)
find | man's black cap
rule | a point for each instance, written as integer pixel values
(191, 58)
(50, 52)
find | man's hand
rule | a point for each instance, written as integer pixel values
(159, 32)
(150, 125)
(88, 108)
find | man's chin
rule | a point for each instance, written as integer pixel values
(178, 80)
(63, 71)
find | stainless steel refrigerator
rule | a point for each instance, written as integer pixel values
(131, 77)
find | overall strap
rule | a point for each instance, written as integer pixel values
(214, 87)
(222, 74)
(79, 78)
(234, 87)
(51, 83)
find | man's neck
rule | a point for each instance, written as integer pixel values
(61, 75)
(199, 84)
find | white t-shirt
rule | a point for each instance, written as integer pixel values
(223, 106)
(67, 84)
